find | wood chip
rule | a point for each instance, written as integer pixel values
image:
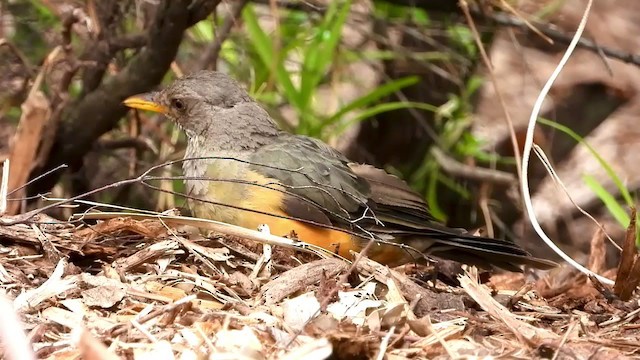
(300, 278)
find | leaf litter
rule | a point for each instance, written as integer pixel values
(136, 288)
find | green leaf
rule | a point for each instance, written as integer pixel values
(229, 53)
(462, 35)
(266, 51)
(203, 30)
(454, 186)
(375, 95)
(320, 53)
(432, 194)
(608, 199)
(473, 84)
(420, 17)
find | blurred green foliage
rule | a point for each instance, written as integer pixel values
(304, 51)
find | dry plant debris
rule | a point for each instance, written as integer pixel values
(141, 289)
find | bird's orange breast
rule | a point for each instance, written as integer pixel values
(263, 200)
(336, 241)
(259, 200)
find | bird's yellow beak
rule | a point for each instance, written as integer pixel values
(146, 101)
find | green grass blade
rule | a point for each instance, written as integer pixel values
(432, 194)
(375, 95)
(258, 38)
(455, 186)
(320, 53)
(617, 181)
(609, 200)
(380, 108)
(266, 51)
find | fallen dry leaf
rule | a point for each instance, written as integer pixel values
(36, 112)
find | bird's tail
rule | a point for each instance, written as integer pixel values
(463, 247)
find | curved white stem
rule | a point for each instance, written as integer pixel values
(529, 144)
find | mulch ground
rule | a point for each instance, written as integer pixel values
(141, 289)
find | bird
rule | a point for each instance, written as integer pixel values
(242, 169)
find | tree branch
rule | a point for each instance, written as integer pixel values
(498, 17)
(100, 110)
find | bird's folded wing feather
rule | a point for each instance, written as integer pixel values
(315, 177)
(324, 187)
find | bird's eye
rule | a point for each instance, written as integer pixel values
(177, 104)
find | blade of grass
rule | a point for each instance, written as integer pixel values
(380, 108)
(454, 186)
(609, 200)
(320, 53)
(266, 51)
(376, 94)
(617, 181)
(432, 194)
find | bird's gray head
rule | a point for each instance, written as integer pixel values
(202, 101)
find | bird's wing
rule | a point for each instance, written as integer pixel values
(316, 179)
(323, 187)
(395, 202)
(406, 215)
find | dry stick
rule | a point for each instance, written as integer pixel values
(343, 279)
(29, 215)
(605, 291)
(48, 172)
(483, 202)
(558, 182)
(454, 167)
(564, 339)
(155, 313)
(451, 352)
(385, 343)
(515, 298)
(540, 31)
(404, 332)
(528, 24)
(4, 186)
(503, 104)
(623, 286)
(224, 228)
(144, 331)
(548, 31)
(145, 175)
(632, 282)
(523, 331)
(528, 145)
